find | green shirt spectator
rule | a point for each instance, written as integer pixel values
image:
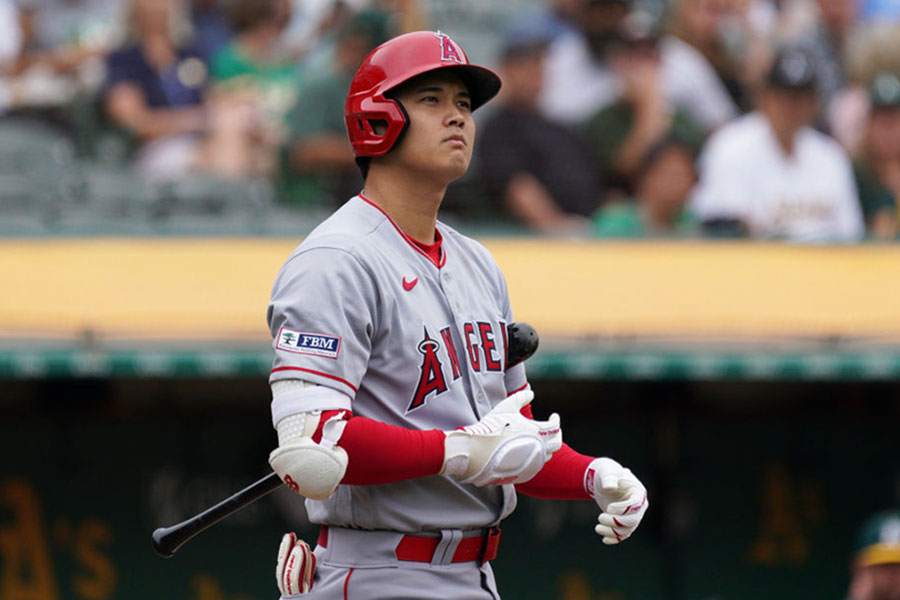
(275, 81)
(874, 196)
(318, 113)
(665, 176)
(318, 168)
(608, 130)
(624, 220)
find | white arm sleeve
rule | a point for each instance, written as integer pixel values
(309, 468)
(297, 396)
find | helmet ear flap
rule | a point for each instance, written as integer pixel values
(377, 126)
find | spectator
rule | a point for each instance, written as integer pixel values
(827, 42)
(156, 91)
(664, 181)
(877, 161)
(875, 50)
(621, 134)
(62, 36)
(10, 46)
(687, 80)
(552, 18)
(212, 32)
(771, 175)
(320, 163)
(256, 60)
(704, 75)
(875, 570)
(578, 81)
(154, 88)
(533, 169)
(62, 48)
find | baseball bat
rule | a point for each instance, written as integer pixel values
(522, 342)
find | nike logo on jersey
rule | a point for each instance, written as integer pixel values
(408, 285)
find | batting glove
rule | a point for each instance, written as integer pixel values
(296, 566)
(621, 497)
(503, 447)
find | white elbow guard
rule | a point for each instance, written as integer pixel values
(311, 469)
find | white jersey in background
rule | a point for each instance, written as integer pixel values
(807, 196)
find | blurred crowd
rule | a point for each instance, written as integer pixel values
(771, 119)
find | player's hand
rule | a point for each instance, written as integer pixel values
(296, 566)
(621, 497)
(503, 447)
(511, 407)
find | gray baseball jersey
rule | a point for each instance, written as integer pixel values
(360, 308)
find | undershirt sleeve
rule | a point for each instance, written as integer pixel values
(380, 453)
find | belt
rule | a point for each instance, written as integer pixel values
(419, 548)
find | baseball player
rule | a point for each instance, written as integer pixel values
(396, 414)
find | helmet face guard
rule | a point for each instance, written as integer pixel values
(390, 65)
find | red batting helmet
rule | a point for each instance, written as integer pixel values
(392, 63)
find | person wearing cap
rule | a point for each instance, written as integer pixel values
(540, 175)
(318, 168)
(769, 174)
(402, 415)
(875, 570)
(876, 164)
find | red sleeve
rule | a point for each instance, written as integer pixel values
(381, 453)
(562, 477)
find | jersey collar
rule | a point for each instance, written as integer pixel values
(413, 243)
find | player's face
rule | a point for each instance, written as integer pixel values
(789, 110)
(441, 130)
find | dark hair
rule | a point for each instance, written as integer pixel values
(363, 163)
(660, 146)
(247, 14)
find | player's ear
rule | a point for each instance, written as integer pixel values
(379, 126)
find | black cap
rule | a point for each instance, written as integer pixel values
(792, 69)
(884, 91)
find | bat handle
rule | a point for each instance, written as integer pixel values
(167, 540)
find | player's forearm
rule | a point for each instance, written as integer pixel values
(380, 453)
(562, 478)
(128, 109)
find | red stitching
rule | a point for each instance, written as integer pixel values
(636, 507)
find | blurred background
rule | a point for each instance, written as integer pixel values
(694, 203)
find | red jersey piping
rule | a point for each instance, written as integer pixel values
(347, 584)
(518, 389)
(410, 240)
(334, 377)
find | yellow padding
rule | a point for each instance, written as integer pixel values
(219, 288)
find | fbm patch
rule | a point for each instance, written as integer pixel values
(304, 342)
